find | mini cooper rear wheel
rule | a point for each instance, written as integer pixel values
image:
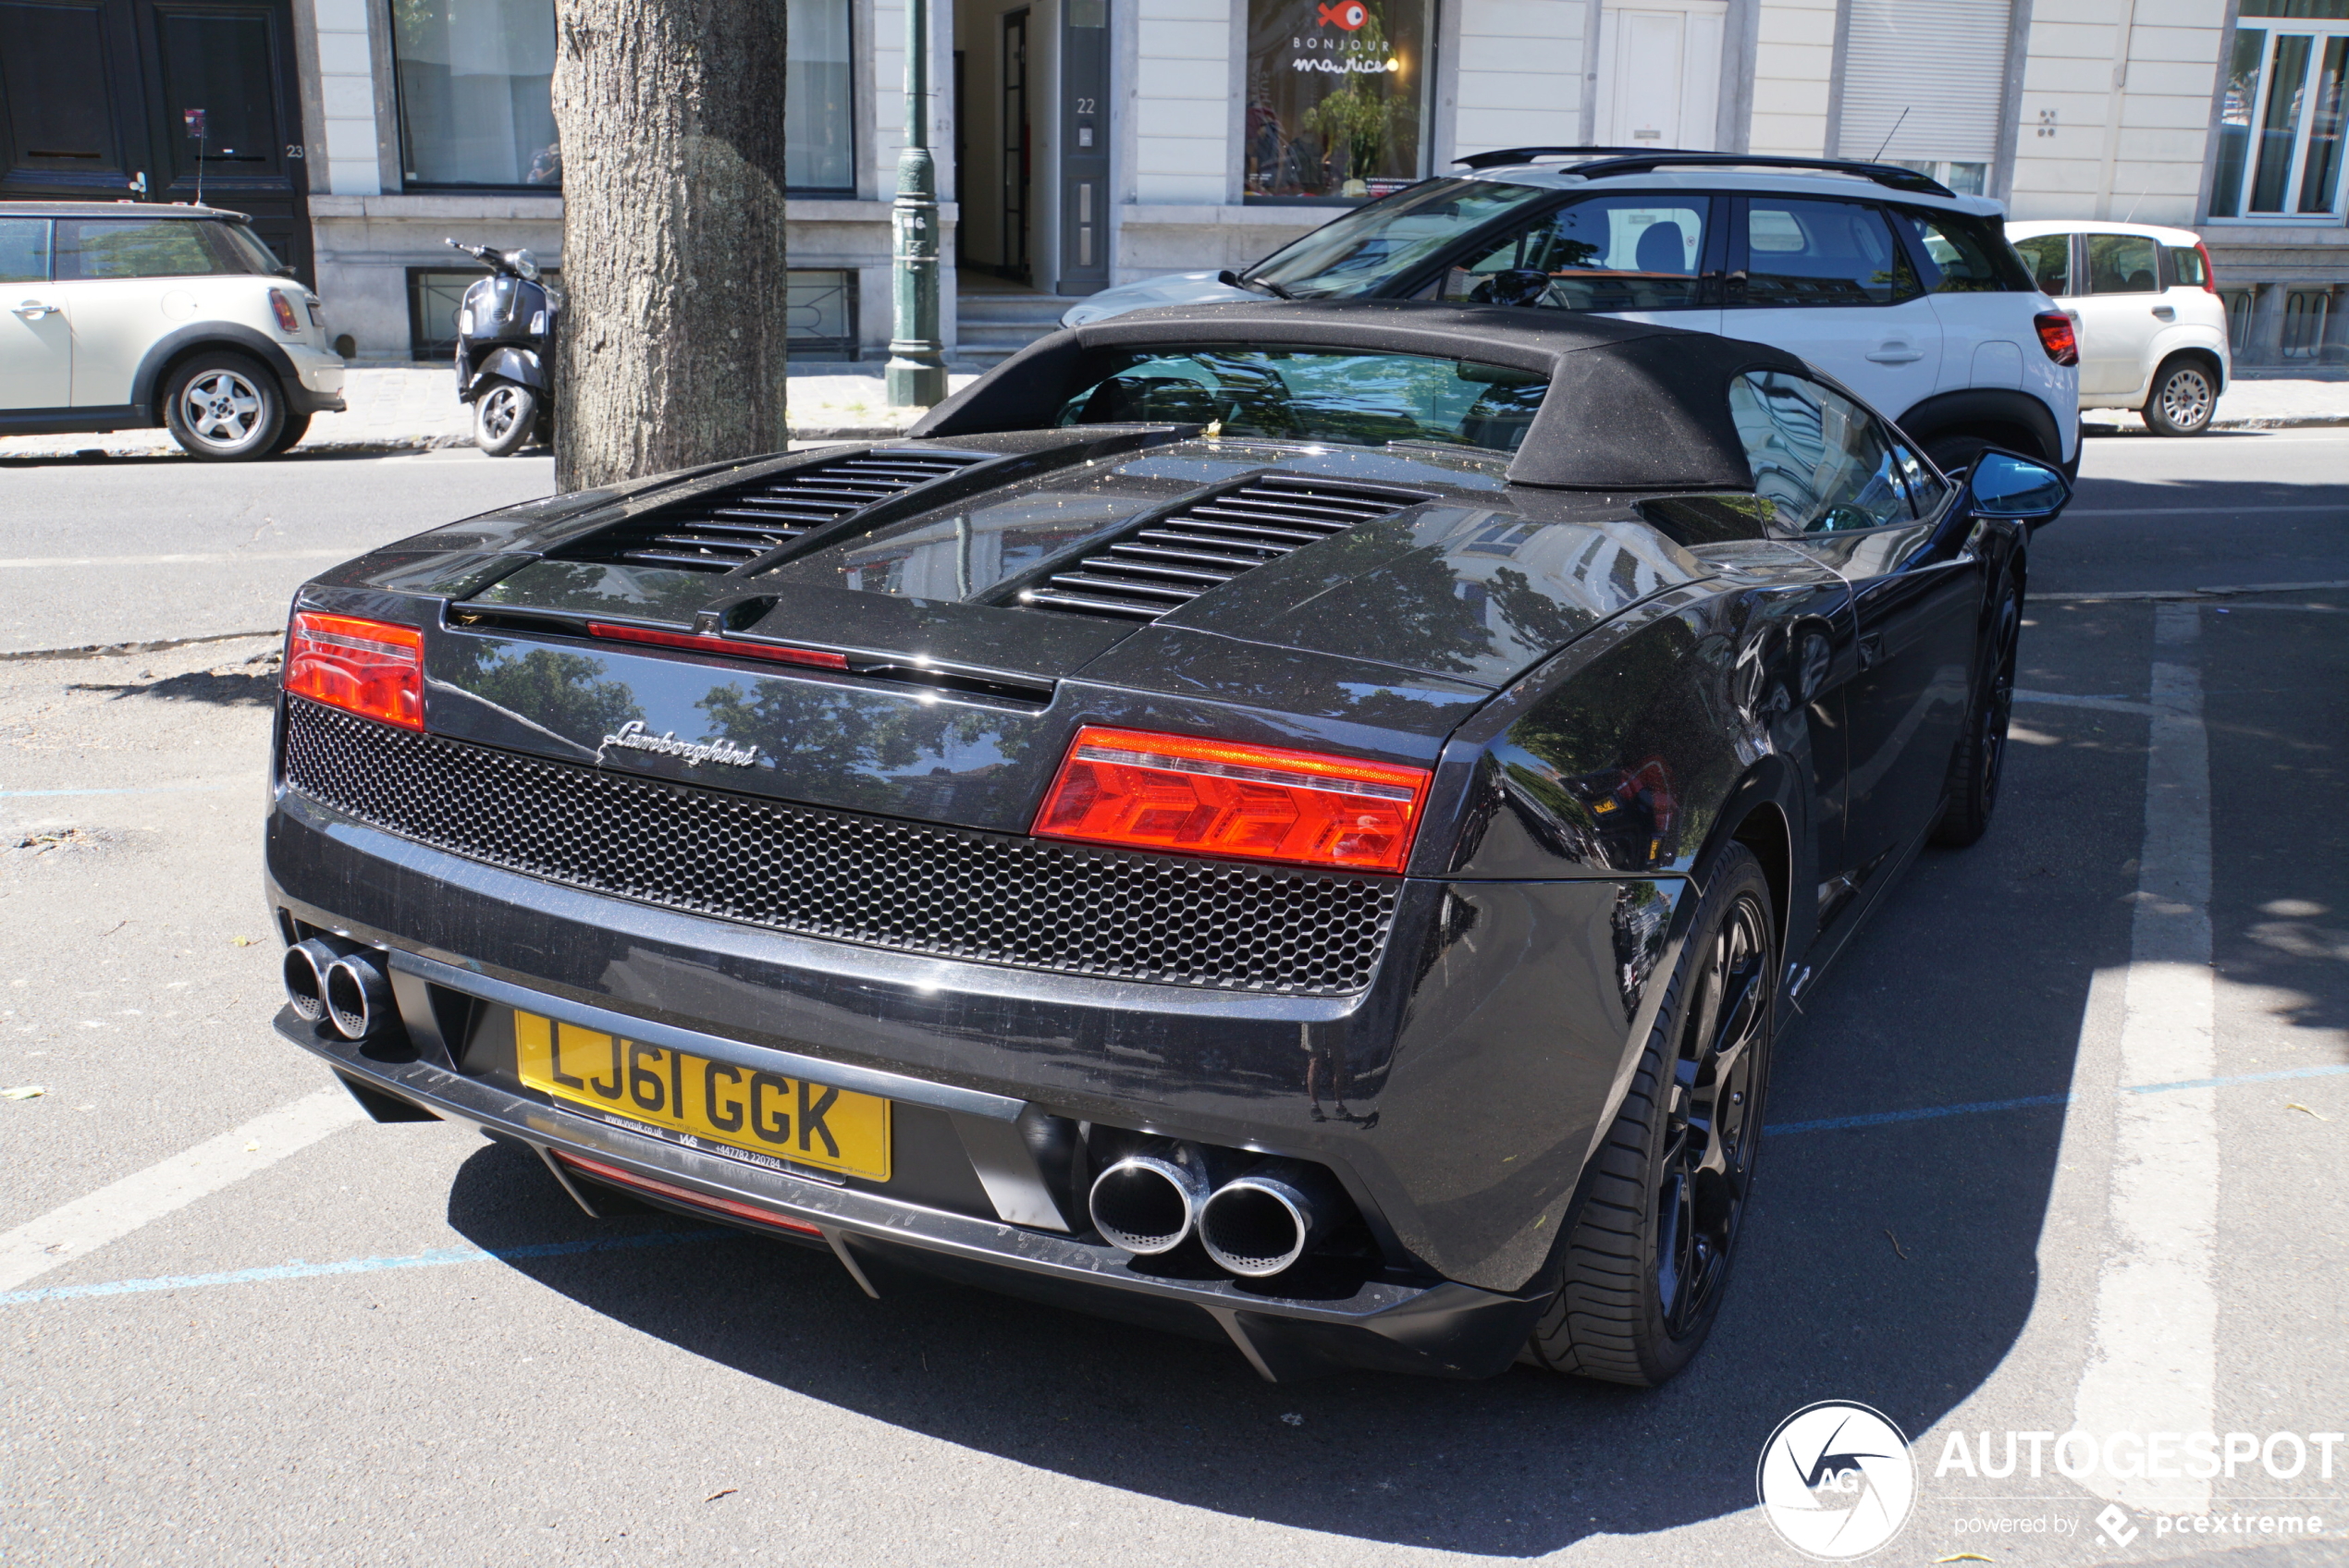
(223, 407)
(1649, 1253)
(1980, 759)
(2183, 399)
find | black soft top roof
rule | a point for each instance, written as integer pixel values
(1631, 406)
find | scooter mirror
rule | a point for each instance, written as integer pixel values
(523, 263)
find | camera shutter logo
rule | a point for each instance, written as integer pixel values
(1836, 1480)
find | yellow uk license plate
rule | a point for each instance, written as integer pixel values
(691, 1099)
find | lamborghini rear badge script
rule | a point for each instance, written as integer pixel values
(632, 737)
(1836, 1480)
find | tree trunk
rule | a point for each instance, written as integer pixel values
(671, 119)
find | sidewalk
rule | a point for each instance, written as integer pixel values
(403, 407)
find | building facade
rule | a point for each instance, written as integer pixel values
(1085, 143)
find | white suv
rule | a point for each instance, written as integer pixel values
(2153, 330)
(114, 315)
(1904, 292)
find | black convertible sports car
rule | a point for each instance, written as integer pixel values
(1292, 824)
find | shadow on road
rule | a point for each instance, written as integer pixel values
(1893, 1264)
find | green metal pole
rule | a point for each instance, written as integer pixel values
(916, 358)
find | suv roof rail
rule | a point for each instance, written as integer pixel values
(1638, 161)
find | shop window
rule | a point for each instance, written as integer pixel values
(476, 105)
(1337, 99)
(2280, 111)
(2303, 322)
(2238, 303)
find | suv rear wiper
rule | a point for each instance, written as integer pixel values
(1230, 279)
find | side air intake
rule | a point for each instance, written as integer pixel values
(732, 527)
(1175, 557)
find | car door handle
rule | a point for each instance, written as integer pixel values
(1895, 351)
(2165, 312)
(33, 310)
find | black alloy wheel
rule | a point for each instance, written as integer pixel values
(1980, 760)
(1648, 1257)
(505, 417)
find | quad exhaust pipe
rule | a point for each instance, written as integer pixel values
(1255, 1225)
(338, 982)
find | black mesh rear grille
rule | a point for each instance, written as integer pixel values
(903, 885)
(1174, 558)
(733, 527)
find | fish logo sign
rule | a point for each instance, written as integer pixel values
(1347, 13)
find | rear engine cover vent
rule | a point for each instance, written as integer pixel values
(1174, 558)
(730, 528)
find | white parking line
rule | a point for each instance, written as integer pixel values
(113, 1212)
(2153, 1362)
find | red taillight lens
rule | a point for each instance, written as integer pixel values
(721, 648)
(286, 320)
(370, 668)
(2209, 272)
(2057, 337)
(1215, 798)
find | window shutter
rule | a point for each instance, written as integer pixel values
(1944, 61)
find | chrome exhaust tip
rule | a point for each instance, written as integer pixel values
(1147, 1203)
(305, 971)
(1261, 1223)
(358, 997)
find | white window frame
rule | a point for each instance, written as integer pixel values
(2276, 27)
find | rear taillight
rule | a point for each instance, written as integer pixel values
(1151, 792)
(371, 668)
(286, 320)
(2057, 337)
(2209, 272)
(719, 648)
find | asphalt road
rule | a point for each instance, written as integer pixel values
(401, 1343)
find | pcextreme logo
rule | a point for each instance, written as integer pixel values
(1347, 13)
(1836, 1480)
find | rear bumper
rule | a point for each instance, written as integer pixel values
(1444, 1329)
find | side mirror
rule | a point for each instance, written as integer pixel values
(2002, 484)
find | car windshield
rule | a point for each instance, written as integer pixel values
(1369, 246)
(1312, 395)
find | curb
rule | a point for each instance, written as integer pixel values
(117, 650)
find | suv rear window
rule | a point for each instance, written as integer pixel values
(1807, 252)
(101, 247)
(1964, 255)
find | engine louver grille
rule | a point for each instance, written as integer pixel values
(731, 528)
(1174, 558)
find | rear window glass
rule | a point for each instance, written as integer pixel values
(2050, 258)
(2122, 263)
(1608, 254)
(98, 248)
(24, 250)
(1372, 246)
(1312, 395)
(1962, 254)
(1821, 253)
(2186, 266)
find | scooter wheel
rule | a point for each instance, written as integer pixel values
(504, 419)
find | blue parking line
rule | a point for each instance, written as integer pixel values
(1923, 1114)
(436, 1257)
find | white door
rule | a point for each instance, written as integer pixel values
(36, 339)
(2120, 314)
(1660, 74)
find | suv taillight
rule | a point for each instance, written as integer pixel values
(2057, 337)
(1149, 791)
(374, 668)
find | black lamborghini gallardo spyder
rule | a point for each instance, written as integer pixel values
(1290, 823)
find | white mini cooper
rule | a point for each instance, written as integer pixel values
(118, 315)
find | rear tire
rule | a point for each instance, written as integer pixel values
(505, 417)
(223, 407)
(2183, 396)
(1980, 760)
(290, 435)
(1649, 1253)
